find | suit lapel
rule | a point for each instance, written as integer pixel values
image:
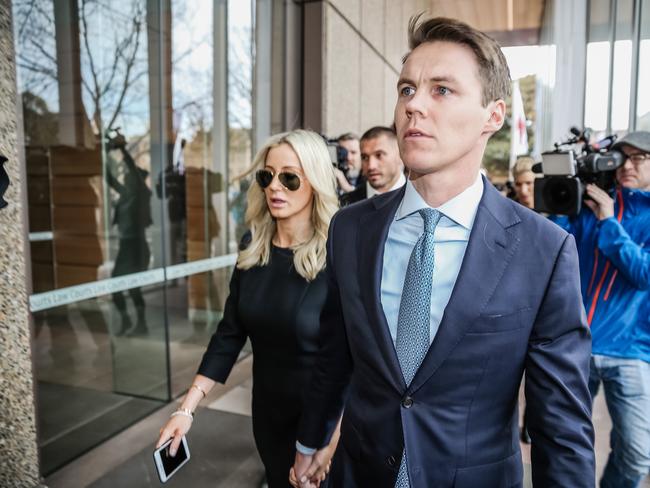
(375, 226)
(489, 250)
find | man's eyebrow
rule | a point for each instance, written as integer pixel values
(403, 80)
(434, 79)
(443, 79)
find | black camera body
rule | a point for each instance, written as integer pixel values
(568, 171)
(338, 154)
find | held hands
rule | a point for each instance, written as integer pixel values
(601, 204)
(310, 471)
(175, 427)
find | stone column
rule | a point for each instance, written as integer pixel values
(18, 449)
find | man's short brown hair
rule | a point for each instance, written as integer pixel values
(378, 130)
(493, 71)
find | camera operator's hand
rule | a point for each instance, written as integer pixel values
(342, 181)
(601, 204)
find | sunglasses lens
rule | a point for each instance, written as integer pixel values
(290, 181)
(263, 177)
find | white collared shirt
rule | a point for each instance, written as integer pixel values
(371, 192)
(450, 237)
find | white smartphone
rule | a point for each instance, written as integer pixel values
(167, 465)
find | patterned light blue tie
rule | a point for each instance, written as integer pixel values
(412, 342)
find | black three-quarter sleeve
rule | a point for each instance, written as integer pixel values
(228, 340)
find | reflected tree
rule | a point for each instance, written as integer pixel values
(112, 58)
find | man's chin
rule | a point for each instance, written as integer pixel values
(420, 162)
(629, 183)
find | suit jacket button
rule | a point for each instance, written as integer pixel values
(407, 402)
(391, 461)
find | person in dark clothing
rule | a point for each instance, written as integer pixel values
(350, 178)
(276, 294)
(132, 217)
(173, 182)
(381, 165)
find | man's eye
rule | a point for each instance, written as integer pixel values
(407, 91)
(443, 90)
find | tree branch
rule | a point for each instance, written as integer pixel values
(93, 71)
(137, 23)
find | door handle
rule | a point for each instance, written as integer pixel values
(4, 181)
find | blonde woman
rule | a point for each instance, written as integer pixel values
(276, 294)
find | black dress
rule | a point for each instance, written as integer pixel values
(279, 310)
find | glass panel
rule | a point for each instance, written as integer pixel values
(79, 404)
(622, 66)
(599, 17)
(643, 94)
(598, 65)
(621, 86)
(191, 219)
(204, 212)
(240, 112)
(597, 83)
(84, 71)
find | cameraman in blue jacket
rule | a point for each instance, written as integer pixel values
(613, 239)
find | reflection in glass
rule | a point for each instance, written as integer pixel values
(132, 216)
(240, 112)
(83, 75)
(130, 145)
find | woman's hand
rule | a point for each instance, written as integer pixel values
(342, 181)
(176, 427)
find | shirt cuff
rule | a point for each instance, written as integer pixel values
(307, 451)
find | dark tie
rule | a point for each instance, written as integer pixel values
(412, 342)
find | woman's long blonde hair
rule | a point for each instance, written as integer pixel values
(309, 256)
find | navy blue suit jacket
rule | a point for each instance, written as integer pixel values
(516, 307)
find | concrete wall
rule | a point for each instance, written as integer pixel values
(18, 451)
(363, 43)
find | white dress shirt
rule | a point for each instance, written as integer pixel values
(371, 192)
(450, 237)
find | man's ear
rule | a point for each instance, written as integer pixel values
(497, 111)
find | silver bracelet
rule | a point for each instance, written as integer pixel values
(185, 412)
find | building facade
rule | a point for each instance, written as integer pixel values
(127, 126)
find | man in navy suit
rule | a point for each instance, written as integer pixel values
(441, 295)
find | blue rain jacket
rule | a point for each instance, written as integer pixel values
(615, 274)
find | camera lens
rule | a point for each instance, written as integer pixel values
(560, 194)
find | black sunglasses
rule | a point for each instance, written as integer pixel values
(291, 181)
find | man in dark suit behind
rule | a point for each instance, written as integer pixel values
(441, 295)
(381, 165)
